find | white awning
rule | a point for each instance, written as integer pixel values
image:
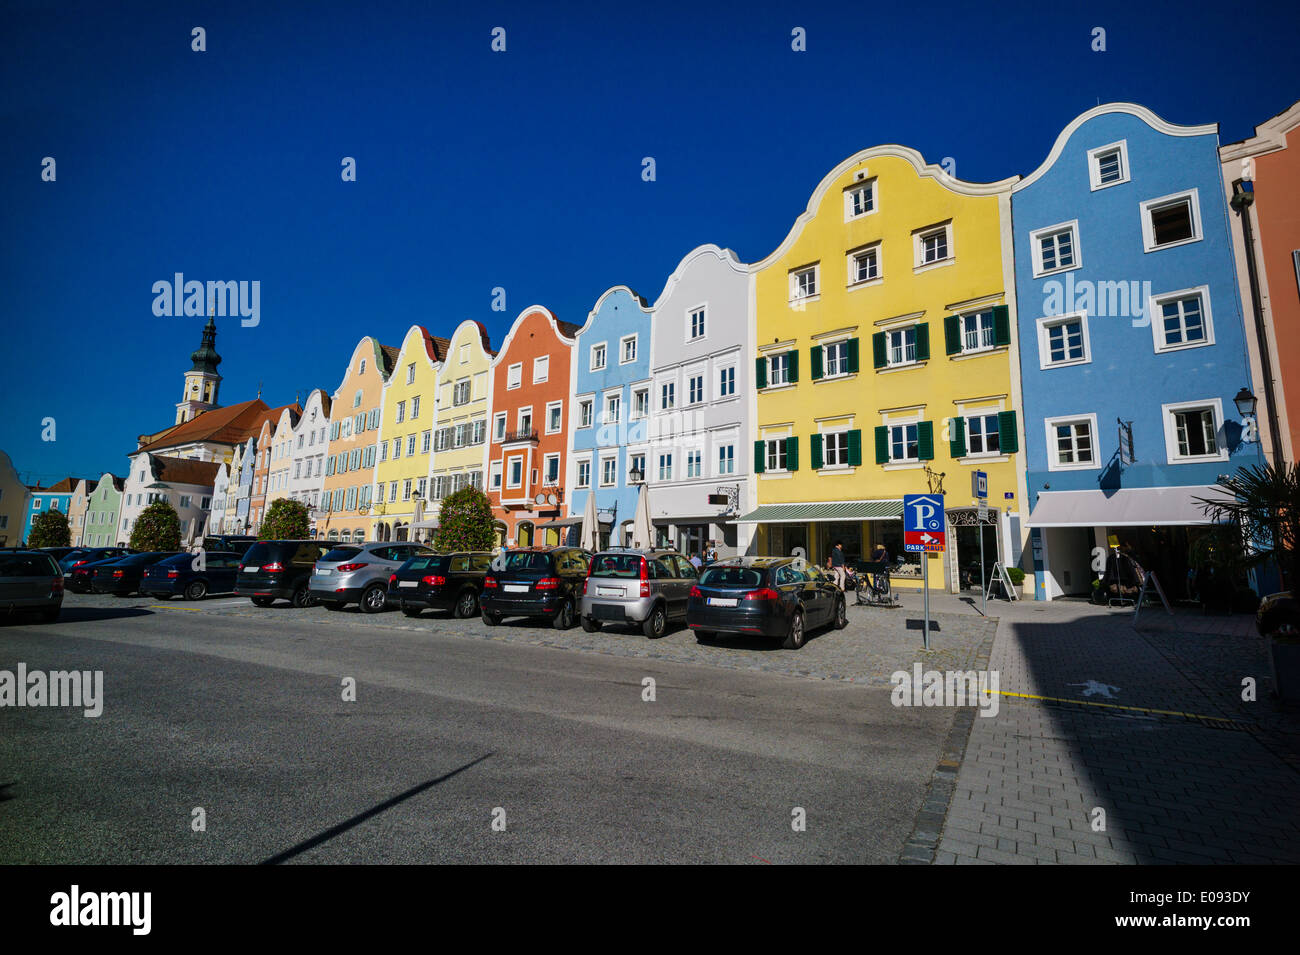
(1127, 507)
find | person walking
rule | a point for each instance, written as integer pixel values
(837, 564)
(696, 562)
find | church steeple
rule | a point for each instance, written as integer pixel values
(202, 380)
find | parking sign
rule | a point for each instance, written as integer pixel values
(979, 485)
(923, 523)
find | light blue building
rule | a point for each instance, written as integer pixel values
(56, 497)
(610, 409)
(1132, 344)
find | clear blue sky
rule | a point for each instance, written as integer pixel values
(479, 169)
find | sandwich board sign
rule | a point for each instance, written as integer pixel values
(923, 523)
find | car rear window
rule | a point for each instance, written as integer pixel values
(429, 562)
(259, 554)
(528, 560)
(731, 577)
(616, 565)
(28, 565)
(341, 553)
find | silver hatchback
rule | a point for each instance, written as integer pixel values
(643, 588)
(358, 573)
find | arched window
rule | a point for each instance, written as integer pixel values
(334, 535)
(358, 536)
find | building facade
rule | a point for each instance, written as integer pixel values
(1133, 344)
(184, 483)
(77, 511)
(460, 420)
(102, 508)
(310, 442)
(13, 504)
(56, 497)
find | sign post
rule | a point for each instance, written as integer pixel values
(923, 533)
(980, 488)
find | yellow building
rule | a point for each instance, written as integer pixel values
(886, 365)
(461, 417)
(406, 435)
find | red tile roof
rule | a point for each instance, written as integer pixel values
(219, 426)
(185, 471)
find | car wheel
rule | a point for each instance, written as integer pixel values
(794, 638)
(374, 599)
(300, 598)
(563, 618)
(841, 615)
(50, 614)
(655, 624)
(491, 619)
(590, 624)
(466, 605)
(196, 590)
(412, 611)
(262, 601)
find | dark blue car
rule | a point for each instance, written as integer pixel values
(179, 575)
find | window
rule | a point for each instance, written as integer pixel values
(514, 375)
(608, 472)
(694, 463)
(627, 350)
(726, 459)
(516, 478)
(410, 445)
(665, 467)
(982, 434)
(1063, 341)
(410, 373)
(640, 403)
(425, 439)
(864, 265)
(1192, 431)
(397, 448)
(185, 500)
(696, 386)
(726, 382)
(933, 245)
(1071, 443)
(860, 199)
(1171, 220)
(495, 475)
(460, 393)
(551, 469)
(778, 369)
(835, 359)
(478, 431)
(977, 331)
(526, 420)
(1108, 165)
(584, 474)
(777, 454)
(903, 442)
(835, 449)
(554, 417)
(901, 345)
(667, 395)
(803, 283)
(597, 357)
(696, 323)
(498, 426)
(613, 407)
(1055, 248)
(584, 413)
(636, 462)
(541, 368)
(1182, 319)
(401, 411)
(356, 400)
(362, 369)
(392, 492)
(406, 489)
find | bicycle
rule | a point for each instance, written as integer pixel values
(871, 585)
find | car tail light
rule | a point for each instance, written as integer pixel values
(392, 579)
(117, 573)
(767, 593)
(548, 583)
(173, 574)
(348, 568)
(695, 592)
(274, 567)
(434, 580)
(584, 584)
(241, 566)
(77, 563)
(56, 585)
(645, 577)
(489, 583)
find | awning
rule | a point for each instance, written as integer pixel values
(1127, 507)
(833, 511)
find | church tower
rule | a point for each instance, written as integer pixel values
(202, 380)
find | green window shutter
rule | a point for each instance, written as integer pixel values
(815, 452)
(760, 372)
(957, 444)
(922, 342)
(882, 445)
(760, 455)
(925, 440)
(855, 448)
(815, 353)
(794, 364)
(853, 356)
(792, 453)
(1001, 325)
(952, 334)
(878, 353)
(1008, 440)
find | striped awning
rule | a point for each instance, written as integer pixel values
(830, 511)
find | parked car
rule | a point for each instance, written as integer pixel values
(87, 555)
(215, 574)
(278, 570)
(645, 588)
(58, 553)
(769, 596)
(440, 582)
(237, 544)
(358, 573)
(31, 580)
(122, 576)
(536, 582)
(81, 577)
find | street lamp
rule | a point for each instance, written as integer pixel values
(1245, 402)
(635, 475)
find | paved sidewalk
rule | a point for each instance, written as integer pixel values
(1214, 785)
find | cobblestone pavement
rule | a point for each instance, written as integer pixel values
(1216, 784)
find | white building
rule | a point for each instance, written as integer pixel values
(310, 441)
(186, 484)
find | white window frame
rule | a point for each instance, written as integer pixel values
(889, 347)
(637, 414)
(552, 406)
(1148, 231)
(667, 389)
(842, 343)
(1094, 165)
(514, 376)
(795, 296)
(1036, 249)
(617, 398)
(598, 348)
(510, 462)
(664, 463)
(918, 247)
(913, 421)
(586, 412)
(1046, 324)
(622, 349)
(1049, 431)
(703, 312)
(499, 426)
(769, 454)
(546, 467)
(982, 413)
(722, 392)
(1158, 323)
(1167, 412)
(722, 448)
(771, 376)
(851, 258)
(691, 378)
(541, 369)
(606, 459)
(522, 414)
(839, 465)
(993, 331)
(869, 184)
(578, 465)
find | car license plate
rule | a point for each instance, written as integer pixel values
(722, 601)
(517, 588)
(251, 570)
(408, 583)
(609, 591)
(324, 572)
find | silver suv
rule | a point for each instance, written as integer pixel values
(358, 573)
(643, 588)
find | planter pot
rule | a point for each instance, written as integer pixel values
(1284, 658)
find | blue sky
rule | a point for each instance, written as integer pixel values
(478, 169)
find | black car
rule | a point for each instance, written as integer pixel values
(440, 582)
(58, 553)
(88, 555)
(768, 596)
(31, 580)
(192, 575)
(122, 576)
(230, 543)
(80, 578)
(278, 570)
(535, 582)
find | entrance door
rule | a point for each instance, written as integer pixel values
(968, 554)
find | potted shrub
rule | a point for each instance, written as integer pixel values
(1018, 580)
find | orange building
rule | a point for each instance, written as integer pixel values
(528, 436)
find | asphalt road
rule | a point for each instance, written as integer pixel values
(241, 712)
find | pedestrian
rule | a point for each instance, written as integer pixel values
(837, 564)
(696, 562)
